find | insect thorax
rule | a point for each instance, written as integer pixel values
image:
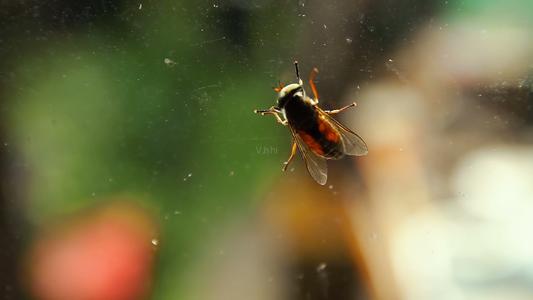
(300, 113)
(291, 92)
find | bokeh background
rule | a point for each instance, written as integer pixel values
(132, 166)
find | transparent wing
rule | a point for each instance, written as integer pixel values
(353, 144)
(316, 165)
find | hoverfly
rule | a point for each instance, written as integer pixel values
(318, 136)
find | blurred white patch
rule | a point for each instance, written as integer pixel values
(497, 183)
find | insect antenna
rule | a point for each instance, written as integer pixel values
(297, 73)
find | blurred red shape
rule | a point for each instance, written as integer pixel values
(104, 255)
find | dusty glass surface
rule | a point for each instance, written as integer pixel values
(133, 167)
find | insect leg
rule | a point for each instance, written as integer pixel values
(293, 152)
(280, 120)
(312, 83)
(279, 87)
(272, 111)
(336, 111)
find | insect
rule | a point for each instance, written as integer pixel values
(315, 133)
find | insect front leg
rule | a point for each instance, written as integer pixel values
(293, 152)
(280, 120)
(272, 111)
(336, 111)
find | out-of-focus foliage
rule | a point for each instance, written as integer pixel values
(157, 104)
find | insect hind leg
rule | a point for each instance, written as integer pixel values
(336, 111)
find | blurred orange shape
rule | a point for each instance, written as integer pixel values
(104, 255)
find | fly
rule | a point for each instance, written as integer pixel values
(315, 133)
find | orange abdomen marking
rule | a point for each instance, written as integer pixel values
(328, 131)
(312, 143)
